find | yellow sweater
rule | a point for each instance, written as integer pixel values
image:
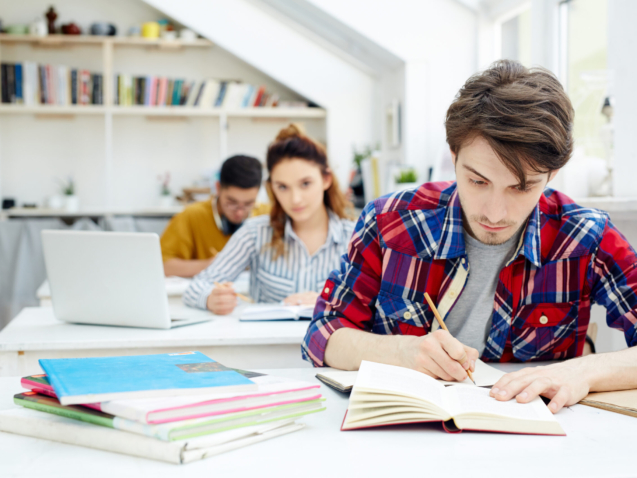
(193, 233)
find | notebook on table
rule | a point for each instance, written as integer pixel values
(390, 395)
(624, 401)
(268, 312)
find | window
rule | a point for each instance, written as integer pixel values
(513, 35)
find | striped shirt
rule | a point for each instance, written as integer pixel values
(412, 242)
(272, 280)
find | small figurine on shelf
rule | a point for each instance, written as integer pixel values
(51, 16)
(71, 29)
(38, 28)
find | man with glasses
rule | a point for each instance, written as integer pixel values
(194, 236)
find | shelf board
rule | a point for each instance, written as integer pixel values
(69, 40)
(262, 112)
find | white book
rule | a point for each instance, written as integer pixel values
(268, 312)
(389, 395)
(30, 82)
(209, 94)
(36, 424)
(62, 85)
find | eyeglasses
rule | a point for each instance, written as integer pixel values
(230, 205)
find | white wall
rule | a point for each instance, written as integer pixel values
(438, 41)
(36, 151)
(622, 45)
(284, 53)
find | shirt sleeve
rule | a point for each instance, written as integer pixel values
(349, 296)
(229, 263)
(613, 275)
(177, 240)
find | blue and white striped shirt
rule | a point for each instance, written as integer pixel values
(272, 280)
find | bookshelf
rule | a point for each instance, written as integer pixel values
(109, 48)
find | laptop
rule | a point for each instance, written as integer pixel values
(111, 278)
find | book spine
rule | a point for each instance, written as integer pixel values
(11, 81)
(19, 78)
(199, 92)
(5, 84)
(43, 86)
(68, 412)
(222, 94)
(74, 87)
(50, 87)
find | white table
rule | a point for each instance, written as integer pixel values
(36, 334)
(598, 444)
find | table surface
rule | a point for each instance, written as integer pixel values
(36, 328)
(598, 443)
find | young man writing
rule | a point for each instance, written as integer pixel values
(512, 265)
(194, 236)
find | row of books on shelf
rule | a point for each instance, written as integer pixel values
(178, 407)
(31, 84)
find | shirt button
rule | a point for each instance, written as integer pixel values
(544, 320)
(464, 260)
(407, 315)
(327, 290)
(452, 294)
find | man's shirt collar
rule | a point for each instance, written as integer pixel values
(452, 244)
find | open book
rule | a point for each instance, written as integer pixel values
(276, 312)
(343, 381)
(390, 395)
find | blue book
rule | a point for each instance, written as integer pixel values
(102, 379)
(19, 96)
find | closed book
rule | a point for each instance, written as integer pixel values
(176, 96)
(31, 94)
(209, 94)
(43, 85)
(169, 92)
(51, 85)
(11, 82)
(194, 94)
(5, 84)
(163, 91)
(390, 395)
(65, 430)
(260, 93)
(73, 86)
(265, 312)
(100, 379)
(170, 431)
(221, 95)
(19, 79)
(272, 391)
(61, 73)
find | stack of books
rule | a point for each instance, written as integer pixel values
(171, 407)
(209, 93)
(31, 84)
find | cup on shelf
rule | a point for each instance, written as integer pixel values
(134, 31)
(38, 28)
(169, 35)
(150, 30)
(187, 35)
(55, 202)
(71, 203)
(17, 29)
(103, 29)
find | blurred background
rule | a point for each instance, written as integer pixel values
(117, 113)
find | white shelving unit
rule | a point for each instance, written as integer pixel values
(109, 47)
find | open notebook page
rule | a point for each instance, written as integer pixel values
(398, 380)
(474, 400)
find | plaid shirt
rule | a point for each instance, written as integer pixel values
(409, 242)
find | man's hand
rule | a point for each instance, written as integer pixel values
(439, 355)
(222, 300)
(564, 383)
(301, 298)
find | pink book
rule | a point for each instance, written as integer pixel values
(153, 91)
(273, 391)
(163, 88)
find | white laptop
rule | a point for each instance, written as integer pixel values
(111, 278)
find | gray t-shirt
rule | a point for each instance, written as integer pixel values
(470, 318)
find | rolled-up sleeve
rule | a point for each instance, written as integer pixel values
(229, 263)
(613, 275)
(349, 295)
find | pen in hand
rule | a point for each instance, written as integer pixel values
(241, 296)
(443, 327)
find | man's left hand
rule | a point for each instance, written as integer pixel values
(564, 383)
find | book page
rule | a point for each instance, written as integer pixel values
(398, 380)
(485, 376)
(467, 400)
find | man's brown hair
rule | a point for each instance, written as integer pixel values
(524, 114)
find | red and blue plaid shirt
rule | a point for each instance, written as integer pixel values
(411, 242)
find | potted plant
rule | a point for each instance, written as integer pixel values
(165, 197)
(406, 179)
(71, 200)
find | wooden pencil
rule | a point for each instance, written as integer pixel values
(241, 296)
(443, 326)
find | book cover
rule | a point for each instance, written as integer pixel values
(152, 91)
(74, 86)
(43, 86)
(64, 430)
(11, 82)
(176, 92)
(19, 95)
(221, 95)
(169, 92)
(259, 97)
(5, 84)
(89, 380)
(271, 391)
(163, 91)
